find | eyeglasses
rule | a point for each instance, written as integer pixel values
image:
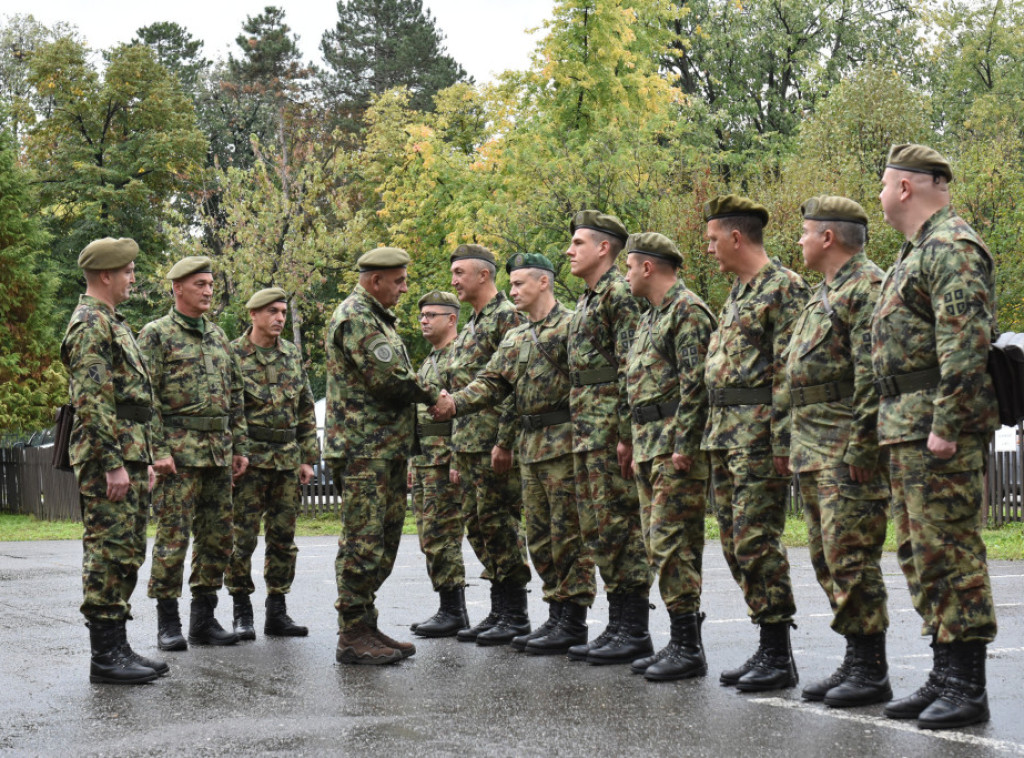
(427, 314)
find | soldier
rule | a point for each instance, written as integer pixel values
(834, 450)
(111, 451)
(531, 363)
(371, 387)
(931, 332)
(747, 432)
(491, 499)
(436, 500)
(200, 447)
(600, 334)
(282, 451)
(669, 406)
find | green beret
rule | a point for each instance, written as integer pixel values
(108, 253)
(655, 245)
(381, 258)
(193, 264)
(529, 260)
(481, 253)
(599, 222)
(834, 208)
(731, 206)
(919, 159)
(266, 297)
(439, 298)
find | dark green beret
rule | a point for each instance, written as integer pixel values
(834, 208)
(479, 252)
(731, 206)
(193, 264)
(655, 245)
(529, 260)
(439, 298)
(381, 258)
(599, 222)
(108, 253)
(266, 297)
(920, 159)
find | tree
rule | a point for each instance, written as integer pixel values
(177, 51)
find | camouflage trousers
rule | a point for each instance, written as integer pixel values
(750, 505)
(846, 530)
(272, 496)
(195, 501)
(437, 504)
(553, 534)
(936, 508)
(492, 510)
(672, 508)
(610, 520)
(373, 492)
(114, 540)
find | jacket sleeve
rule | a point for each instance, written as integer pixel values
(385, 374)
(789, 302)
(88, 355)
(151, 347)
(862, 447)
(692, 338)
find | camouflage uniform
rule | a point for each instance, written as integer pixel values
(282, 436)
(371, 388)
(200, 422)
(113, 397)
(749, 423)
(939, 298)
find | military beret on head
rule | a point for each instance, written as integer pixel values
(920, 159)
(529, 260)
(731, 206)
(656, 245)
(481, 253)
(193, 264)
(266, 297)
(599, 222)
(834, 208)
(108, 253)
(439, 298)
(381, 258)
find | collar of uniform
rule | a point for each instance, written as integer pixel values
(373, 304)
(672, 296)
(941, 215)
(605, 281)
(97, 303)
(759, 278)
(179, 319)
(847, 270)
(552, 316)
(263, 354)
(491, 306)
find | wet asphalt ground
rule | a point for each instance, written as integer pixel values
(289, 697)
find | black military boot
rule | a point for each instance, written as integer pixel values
(776, 668)
(570, 630)
(580, 652)
(632, 641)
(685, 659)
(816, 692)
(110, 664)
(203, 627)
(868, 680)
(451, 616)
(513, 621)
(168, 625)
(160, 667)
(277, 622)
(910, 707)
(469, 635)
(554, 613)
(243, 624)
(963, 700)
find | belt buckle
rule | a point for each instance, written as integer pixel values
(798, 396)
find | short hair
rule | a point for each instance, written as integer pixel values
(661, 263)
(615, 244)
(482, 265)
(537, 273)
(849, 234)
(749, 226)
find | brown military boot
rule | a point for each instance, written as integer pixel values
(406, 649)
(361, 645)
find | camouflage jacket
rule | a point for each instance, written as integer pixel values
(371, 385)
(195, 373)
(600, 334)
(520, 367)
(832, 343)
(433, 450)
(666, 365)
(749, 350)
(106, 370)
(937, 308)
(277, 397)
(473, 347)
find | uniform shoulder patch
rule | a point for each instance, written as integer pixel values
(955, 302)
(382, 350)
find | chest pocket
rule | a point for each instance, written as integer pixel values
(130, 353)
(181, 366)
(823, 332)
(742, 332)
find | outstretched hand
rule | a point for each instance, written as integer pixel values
(444, 408)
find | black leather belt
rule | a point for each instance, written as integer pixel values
(440, 429)
(900, 384)
(198, 423)
(821, 393)
(594, 376)
(140, 413)
(720, 396)
(645, 413)
(266, 434)
(535, 421)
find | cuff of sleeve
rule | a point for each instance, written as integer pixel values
(112, 460)
(945, 428)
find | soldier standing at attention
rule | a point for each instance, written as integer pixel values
(600, 334)
(111, 451)
(834, 451)
(282, 451)
(931, 332)
(200, 447)
(371, 388)
(747, 432)
(669, 406)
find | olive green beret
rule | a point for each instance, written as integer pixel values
(108, 253)
(599, 222)
(730, 206)
(481, 253)
(266, 297)
(383, 258)
(834, 208)
(193, 264)
(920, 159)
(439, 298)
(529, 260)
(656, 245)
